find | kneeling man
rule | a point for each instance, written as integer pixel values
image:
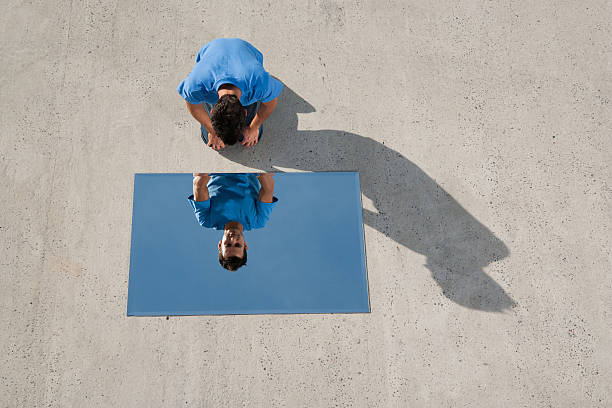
(230, 93)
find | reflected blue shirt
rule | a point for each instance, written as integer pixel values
(233, 61)
(233, 197)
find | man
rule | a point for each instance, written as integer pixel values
(229, 74)
(233, 203)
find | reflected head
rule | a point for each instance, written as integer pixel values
(228, 118)
(232, 263)
(233, 247)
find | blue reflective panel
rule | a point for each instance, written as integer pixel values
(305, 248)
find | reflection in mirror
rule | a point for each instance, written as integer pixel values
(233, 203)
(305, 255)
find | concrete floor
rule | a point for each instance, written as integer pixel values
(482, 131)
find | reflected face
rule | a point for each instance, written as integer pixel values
(232, 243)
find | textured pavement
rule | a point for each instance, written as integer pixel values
(483, 136)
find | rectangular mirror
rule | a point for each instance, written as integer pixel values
(301, 235)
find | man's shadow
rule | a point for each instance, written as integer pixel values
(412, 209)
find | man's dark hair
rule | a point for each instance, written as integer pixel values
(232, 263)
(228, 119)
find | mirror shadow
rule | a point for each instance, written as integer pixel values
(411, 208)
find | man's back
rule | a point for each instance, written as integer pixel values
(229, 61)
(235, 50)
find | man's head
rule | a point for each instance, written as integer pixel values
(228, 118)
(232, 247)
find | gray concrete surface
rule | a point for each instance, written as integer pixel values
(483, 136)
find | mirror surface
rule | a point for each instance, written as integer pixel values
(302, 234)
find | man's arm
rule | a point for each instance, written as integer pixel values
(265, 109)
(251, 133)
(199, 113)
(200, 190)
(266, 192)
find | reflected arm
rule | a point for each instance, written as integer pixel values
(200, 190)
(266, 192)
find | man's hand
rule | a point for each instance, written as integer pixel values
(199, 113)
(250, 136)
(201, 178)
(214, 141)
(266, 178)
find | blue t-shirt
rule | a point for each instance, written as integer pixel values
(233, 197)
(233, 61)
